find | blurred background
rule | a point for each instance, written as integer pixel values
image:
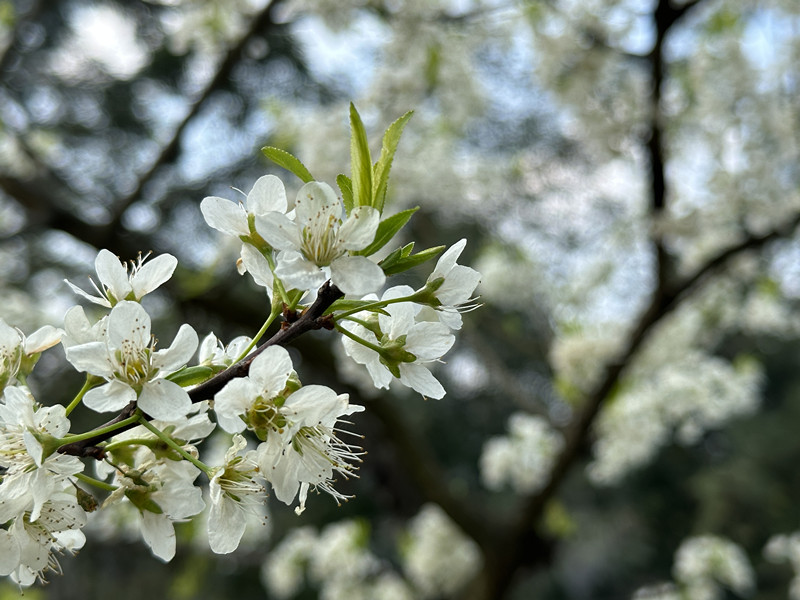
(622, 411)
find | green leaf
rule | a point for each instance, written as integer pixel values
(390, 140)
(387, 229)
(360, 161)
(346, 304)
(404, 263)
(288, 161)
(346, 187)
(192, 375)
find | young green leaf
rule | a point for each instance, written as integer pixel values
(192, 375)
(360, 161)
(381, 175)
(349, 304)
(404, 263)
(387, 230)
(346, 187)
(288, 161)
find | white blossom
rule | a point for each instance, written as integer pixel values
(704, 563)
(16, 350)
(523, 458)
(439, 559)
(134, 370)
(234, 490)
(267, 194)
(117, 284)
(453, 285)
(316, 244)
(406, 345)
(212, 352)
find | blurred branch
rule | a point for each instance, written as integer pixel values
(171, 150)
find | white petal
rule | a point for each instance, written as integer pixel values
(152, 274)
(112, 274)
(179, 352)
(271, 369)
(159, 534)
(429, 341)
(280, 468)
(268, 194)
(110, 397)
(9, 553)
(448, 260)
(356, 275)
(234, 400)
(225, 216)
(42, 339)
(257, 266)
(297, 272)
(101, 300)
(9, 337)
(164, 400)
(91, 357)
(312, 405)
(278, 231)
(226, 525)
(458, 286)
(128, 325)
(316, 198)
(359, 229)
(421, 380)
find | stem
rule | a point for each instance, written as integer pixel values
(373, 305)
(71, 439)
(361, 341)
(174, 445)
(276, 310)
(77, 400)
(95, 482)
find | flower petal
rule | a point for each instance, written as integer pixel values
(279, 231)
(110, 397)
(359, 229)
(152, 274)
(257, 266)
(234, 400)
(356, 275)
(128, 325)
(421, 380)
(164, 400)
(297, 272)
(179, 352)
(271, 369)
(226, 525)
(91, 357)
(225, 216)
(159, 533)
(112, 274)
(268, 194)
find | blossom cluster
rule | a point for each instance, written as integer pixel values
(316, 258)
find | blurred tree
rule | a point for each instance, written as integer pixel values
(626, 172)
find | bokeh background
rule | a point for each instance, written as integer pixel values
(622, 411)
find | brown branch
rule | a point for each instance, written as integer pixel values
(312, 318)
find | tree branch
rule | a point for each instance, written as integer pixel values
(312, 318)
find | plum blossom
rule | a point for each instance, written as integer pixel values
(163, 492)
(56, 530)
(296, 425)
(117, 284)
(19, 353)
(451, 286)
(133, 369)
(405, 345)
(212, 352)
(316, 244)
(31, 476)
(234, 490)
(267, 195)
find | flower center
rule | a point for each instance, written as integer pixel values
(320, 243)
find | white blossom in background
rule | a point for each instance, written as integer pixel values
(282, 573)
(522, 459)
(438, 558)
(661, 591)
(423, 342)
(315, 243)
(684, 399)
(117, 284)
(786, 548)
(133, 369)
(707, 563)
